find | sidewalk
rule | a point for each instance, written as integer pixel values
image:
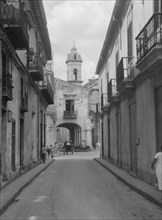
(136, 184)
(13, 189)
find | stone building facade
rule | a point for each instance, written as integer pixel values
(25, 86)
(131, 95)
(72, 102)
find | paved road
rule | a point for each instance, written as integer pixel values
(77, 187)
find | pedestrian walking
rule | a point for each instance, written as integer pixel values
(48, 151)
(43, 154)
(52, 151)
(157, 165)
(56, 148)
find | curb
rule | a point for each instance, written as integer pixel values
(134, 187)
(11, 200)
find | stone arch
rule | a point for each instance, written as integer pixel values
(75, 131)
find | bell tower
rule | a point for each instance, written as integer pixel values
(74, 61)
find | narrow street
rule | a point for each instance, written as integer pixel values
(77, 187)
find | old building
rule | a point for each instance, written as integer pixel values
(25, 87)
(131, 95)
(72, 102)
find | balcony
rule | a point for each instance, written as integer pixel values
(70, 115)
(113, 96)
(14, 22)
(98, 113)
(24, 103)
(104, 102)
(125, 75)
(149, 45)
(7, 86)
(36, 68)
(46, 90)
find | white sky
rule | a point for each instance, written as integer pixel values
(84, 22)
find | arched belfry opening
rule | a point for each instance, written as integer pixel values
(75, 71)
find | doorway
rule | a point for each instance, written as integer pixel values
(158, 112)
(21, 142)
(133, 148)
(13, 150)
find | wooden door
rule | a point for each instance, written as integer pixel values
(13, 152)
(158, 112)
(133, 147)
(21, 142)
(109, 144)
(118, 139)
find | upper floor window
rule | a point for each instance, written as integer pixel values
(24, 88)
(157, 5)
(75, 74)
(117, 54)
(70, 105)
(130, 34)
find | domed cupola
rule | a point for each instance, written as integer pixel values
(74, 56)
(74, 66)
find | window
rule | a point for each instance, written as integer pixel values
(70, 105)
(157, 6)
(74, 56)
(24, 92)
(117, 54)
(75, 74)
(130, 35)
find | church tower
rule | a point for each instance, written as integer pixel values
(74, 61)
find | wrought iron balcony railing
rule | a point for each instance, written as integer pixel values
(24, 103)
(15, 22)
(112, 88)
(46, 89)
(104, 99)
(70, 114)
(7, 86)
(125, 69)
(149, 36)
(36, 68)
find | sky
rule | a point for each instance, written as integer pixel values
(84, 22)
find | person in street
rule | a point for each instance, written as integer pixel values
(56, 148)
(157, 165)
(44, 154)
(48, 151)
(52, 151)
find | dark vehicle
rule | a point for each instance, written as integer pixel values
(68, 147)
(81, 148)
